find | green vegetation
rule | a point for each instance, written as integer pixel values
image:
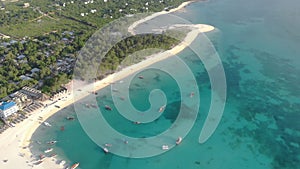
(47, 35)
(130, 45)
(44, 16)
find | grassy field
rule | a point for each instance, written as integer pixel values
(41, 26)
(44, 16)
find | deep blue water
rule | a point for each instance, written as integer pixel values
(258, 43)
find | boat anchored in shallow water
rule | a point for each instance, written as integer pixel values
(62, 163)
(70, 118)
(74, 165)
(178, 141)
(48, 150)
(107, 107)
(51, 142)
(47, 124)
(162, 108)
(105, 150)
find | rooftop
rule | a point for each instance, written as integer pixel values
(6, 105)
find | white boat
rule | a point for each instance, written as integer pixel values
(165, 147)
(162, 108)
(62, 163)
(105, 150)
(178, 141)
(48, 150)
(47, 124)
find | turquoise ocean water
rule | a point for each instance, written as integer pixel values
(258, 43)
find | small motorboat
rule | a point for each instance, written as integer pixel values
(47, 124)
(105, 150)
(51, 142)
(70, 118)
(62, 162)
(137, 122)
(165, 147)
(74, 165)
(162, 108)
(192, 94)
(48, 150)
(107, 107)
(178, 141)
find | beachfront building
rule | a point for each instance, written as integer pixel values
(32, 93)
(61, 93)
(7, 109)
(20, 99)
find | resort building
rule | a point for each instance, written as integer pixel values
(32, 93)
(7, 109)
(20, 99)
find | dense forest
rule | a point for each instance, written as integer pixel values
(130, 45)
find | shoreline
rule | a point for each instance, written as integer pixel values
(154, 15)
(14, 139)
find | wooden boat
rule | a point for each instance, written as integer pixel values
(42, 156)
(39, 162)
(74, 165)
(141, 77)
(107, 107)
(178, 141)
(62, 128)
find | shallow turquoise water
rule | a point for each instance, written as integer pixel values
(258, 43)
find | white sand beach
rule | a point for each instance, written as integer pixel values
(135, 24)
(14, 141)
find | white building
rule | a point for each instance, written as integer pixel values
(7, 109)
